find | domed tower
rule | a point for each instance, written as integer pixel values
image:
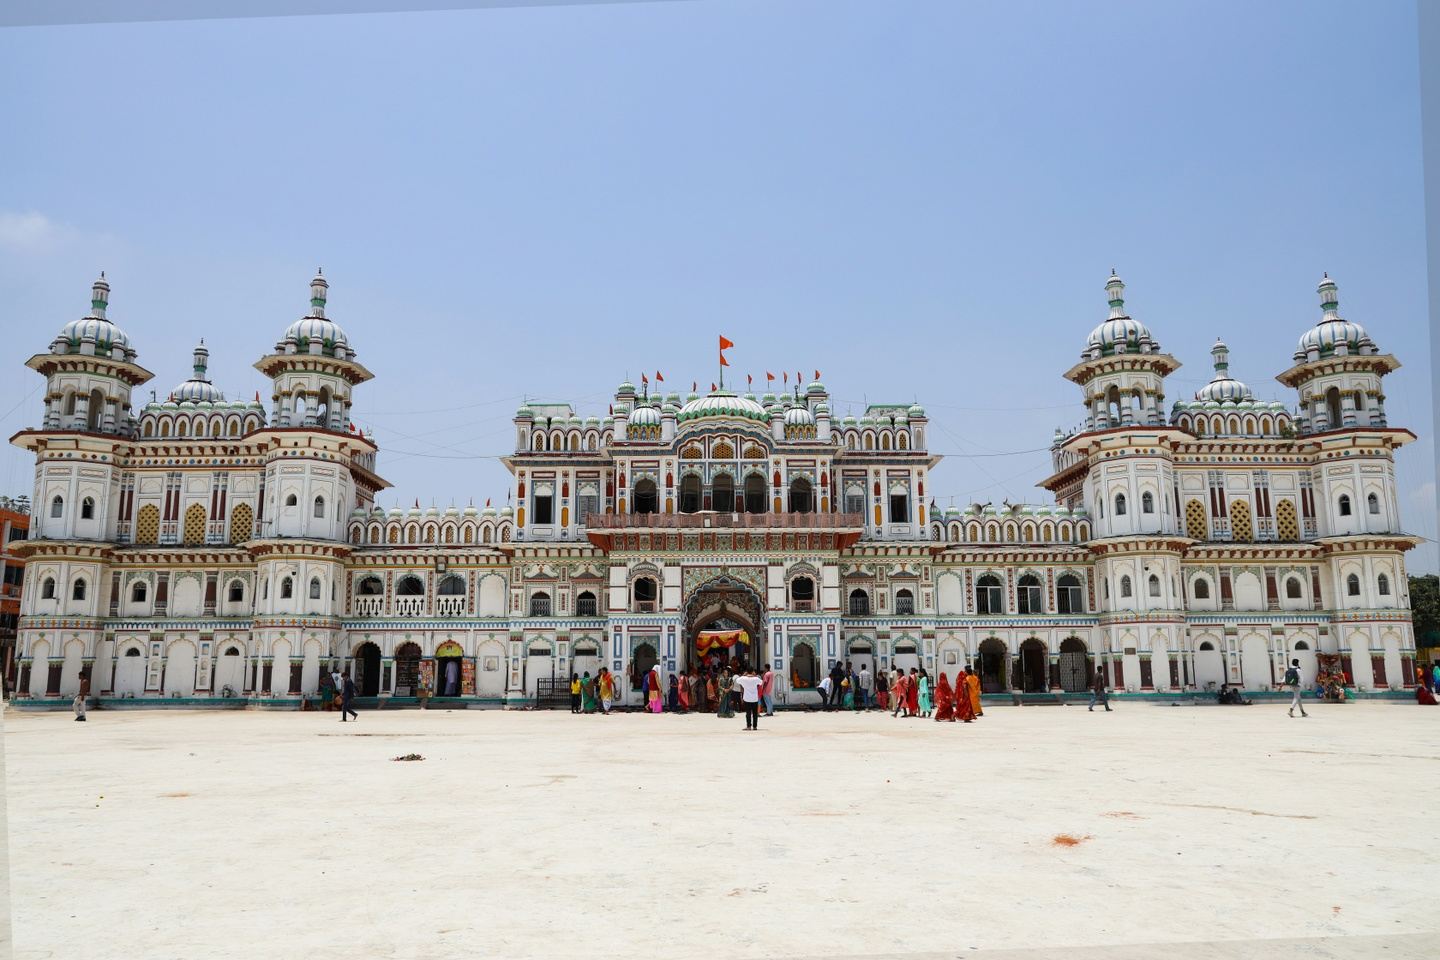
(1223, 388)
(198, 389)
(89, 373)
(1337, 371)
(313, 369)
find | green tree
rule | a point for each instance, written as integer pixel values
(1425, 609)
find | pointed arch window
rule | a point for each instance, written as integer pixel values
(1382, 585)
(87, 509)
(859, 603)
(1028, 595)
(1154, 585)
(904, 603)
(57, 507)
(1069, 597)
(1119, 504)
(989, 595)
(47, 589)
(1147, 502)
(1343, 506)
(77, 592)
(287, 588)
(1352, 586)
(319, 508)
(138, 593)
(314, 588)
(1372, 503)
(1125, 588)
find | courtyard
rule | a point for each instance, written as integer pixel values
(169, 834)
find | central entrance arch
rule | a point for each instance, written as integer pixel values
(725, 606)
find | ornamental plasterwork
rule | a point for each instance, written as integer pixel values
(696, 578)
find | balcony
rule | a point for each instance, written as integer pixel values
(450, 606)
(409, 606)
(369, 606)
(646, 606)
(803, 606)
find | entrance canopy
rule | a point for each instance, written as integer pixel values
(707, 640)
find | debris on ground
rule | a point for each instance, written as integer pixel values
(408, 756)
(1068, 840)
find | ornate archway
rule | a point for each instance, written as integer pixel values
(727, 605)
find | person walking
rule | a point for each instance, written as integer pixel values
(575, 692)
(964, 702)
(882, 690)
(944, 700)
(587, 693)
(926, 705)
(767, 691)
(1435, 677)
(726, 707)
(337, 686)
(912, 693)
(78, 705)
(898, 692)
(867, 687)
(972, 683)
(1292, 681)
(347, 698)
(607, 689)
(749, 686)
(1097, 691)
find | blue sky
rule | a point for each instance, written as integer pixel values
(920, 198)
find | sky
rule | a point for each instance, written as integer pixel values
(920, 198)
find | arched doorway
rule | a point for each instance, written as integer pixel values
(642, 660)
(449, 669)
(907, 656)
(585, 658)
(1209, 666)
(407, 670)
(367, 670)
(994, 661)
(1255, 665)
(1033, 664)
(230, 671)
(539, 665)
(804, 667)
(1074, 665)
(860, 653)
(730, 615)
(130, 673)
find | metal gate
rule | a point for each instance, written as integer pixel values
(1074, 671)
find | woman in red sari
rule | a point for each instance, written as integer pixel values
(964, 709)
(912, 694)
(944, 699)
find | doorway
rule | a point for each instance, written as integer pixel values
(1074, 665)
(993, 663)
(449, 669)
(642, 660)
(407, 670)
(367, 670)
(1033, 662)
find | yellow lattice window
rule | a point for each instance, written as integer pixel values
(753, 452)
(195, 524)
(394, 536)
(1286, 524)
(147, 524)
(242, 521)
(1195, 520)
(692, 452)
(723, 451)
(1240, 528)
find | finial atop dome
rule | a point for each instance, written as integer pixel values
(1221, 353)
(202, 360)
(1116, 288)
(99, 296)
(318, 286)
(1329, 298)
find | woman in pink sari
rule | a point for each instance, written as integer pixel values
(654, 702)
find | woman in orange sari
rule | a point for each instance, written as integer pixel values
(972, 683)
(964, 709)
(944, 699)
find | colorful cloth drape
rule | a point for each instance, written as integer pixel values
(707, 640)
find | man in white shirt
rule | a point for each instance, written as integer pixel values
(749, 687)
(867, 687)
(824, 687)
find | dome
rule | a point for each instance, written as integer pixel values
(645, 416)
(198, 389)
(916, 411)
(626, 389)
(315, 327)
(1331, 331)
(799, 417)
(815, 387)
(524, 413)
(722, 403)
(1120, 333)
(95, 327)
(1223, 387)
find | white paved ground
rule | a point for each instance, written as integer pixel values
(1235, 831)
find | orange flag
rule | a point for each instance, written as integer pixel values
(725, 344)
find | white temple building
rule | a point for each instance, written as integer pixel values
(209, 549)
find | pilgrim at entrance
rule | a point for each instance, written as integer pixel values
(448, 657)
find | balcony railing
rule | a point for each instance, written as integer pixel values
(369, 606)
(645, 606)
(540, 607)
(449, 606)
(409, 606)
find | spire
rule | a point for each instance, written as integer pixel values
(99, 297)
(1329, 299)
(202, 360)
(1221, 353)
(318, 286)
(1116, 288)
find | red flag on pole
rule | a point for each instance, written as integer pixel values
(487, 501)
(749, 380)
(817, 374)
(644, 379)
(712, 387)
(786, 379)
(725, 344)
(694, 386)
(797, 378)
(769, 377)
(659, 378)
